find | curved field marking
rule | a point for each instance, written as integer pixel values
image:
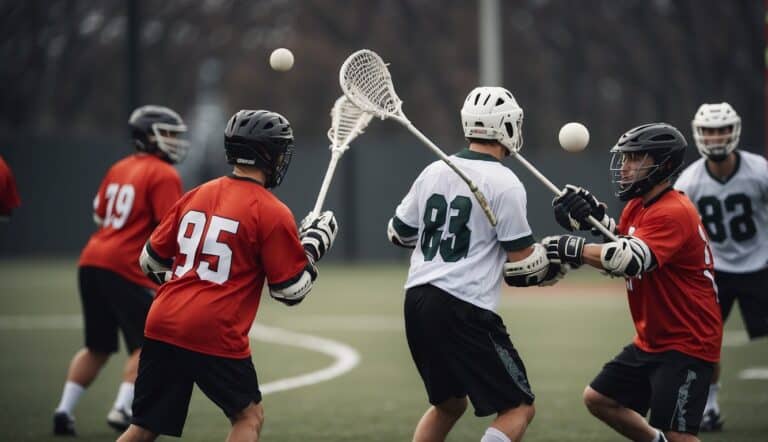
(346, 357)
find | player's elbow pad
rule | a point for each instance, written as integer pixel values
(534, 269)
(155, 267)
(402, 235)
(627, 257)
(294, 290)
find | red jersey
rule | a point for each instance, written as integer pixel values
(674, 306)
(9, 196)
(225, 238)
(132, 199)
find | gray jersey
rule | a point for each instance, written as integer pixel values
(458, 249)
(734, 211)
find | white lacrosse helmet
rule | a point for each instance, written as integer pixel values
(491, 113)
(715, 116)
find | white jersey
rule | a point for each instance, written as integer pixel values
(734, 211)
(458, 250)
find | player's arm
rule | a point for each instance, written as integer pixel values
(156, 258)
(316, 235)
(531, 266)
(157, 268)
(99, 206)
(575, 205)
(628, 257)
(402, 228)
(401, 234)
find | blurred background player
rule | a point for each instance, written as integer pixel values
(455, 275)
(664, 256)
(132, 199)
(730, 189)
(9, 196)
(197, 327)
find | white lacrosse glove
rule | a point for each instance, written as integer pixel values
(317, 234)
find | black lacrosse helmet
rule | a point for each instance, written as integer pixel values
(157, 130)
(662, 142)
(262, 139)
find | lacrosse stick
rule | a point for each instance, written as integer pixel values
(366, 81)
(347, 122)
(607, 233)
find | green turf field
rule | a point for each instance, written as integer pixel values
(564, 335)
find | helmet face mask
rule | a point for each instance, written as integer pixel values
(492, 113)
(716, 130)
(644, 157)
(630, 172)
(261, 139)
(158, 129)
(167, 138)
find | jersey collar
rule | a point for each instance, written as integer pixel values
(728, 178)
(472, 155)
(242, 178)
(658, 197)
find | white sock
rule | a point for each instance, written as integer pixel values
(69, 397)
(124, 397)
(494, 435)
(712, 398)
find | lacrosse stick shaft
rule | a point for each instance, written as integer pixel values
(472, 187)
(335, 155)
(595, 223)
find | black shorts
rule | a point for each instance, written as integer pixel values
(111, 302)
(463, 350)
(167, 374)
(673, 385)
(751, 290)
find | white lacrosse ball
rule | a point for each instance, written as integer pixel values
(573, 137)
(281, 59)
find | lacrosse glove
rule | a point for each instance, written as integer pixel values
(564, 249)
(574, 207)
(317, 235)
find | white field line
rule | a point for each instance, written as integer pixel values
(759, 373)
(345, 357)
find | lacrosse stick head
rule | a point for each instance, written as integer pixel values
(347, 122)
(366, 81)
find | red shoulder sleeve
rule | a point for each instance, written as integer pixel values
(165, 190)
(665, 231)
(163, 240)
(99, 204)
(281, 251)
(9, 196)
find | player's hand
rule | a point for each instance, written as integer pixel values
(575, 205)
(317, 234)
(160, 277)
(564, 249)
(555, 273)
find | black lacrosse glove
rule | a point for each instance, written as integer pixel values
(317, 234)
(564, 249)
(574, 207)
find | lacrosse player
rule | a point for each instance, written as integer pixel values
(459, 345)
(219, 243)
(664, 255)
(9, 196)
(132, 199)
(730, 189)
